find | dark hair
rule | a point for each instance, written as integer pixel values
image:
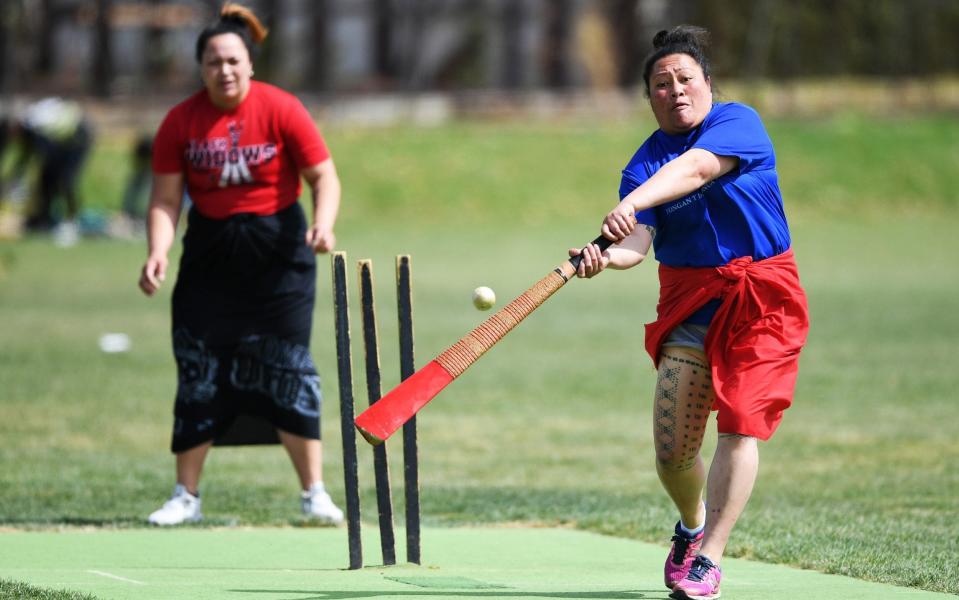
(237, 19)
(682, 39)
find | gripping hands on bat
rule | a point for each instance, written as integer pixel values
(390, 412)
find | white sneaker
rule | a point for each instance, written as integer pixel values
(317, 504)
(66, 234)
(182, 507)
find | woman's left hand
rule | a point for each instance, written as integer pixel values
(321, 239)
(620, 222)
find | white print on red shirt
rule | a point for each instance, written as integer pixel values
(227, 154)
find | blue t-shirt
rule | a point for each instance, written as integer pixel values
(738, 214)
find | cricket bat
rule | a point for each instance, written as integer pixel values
(389, 413)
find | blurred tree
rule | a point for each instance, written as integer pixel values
(212, 8)
(103, 50)
(267, 57)
(321, 15)
(512, 17)
(785, 39)
(461, 65)
(557, 17)
(630, 48)
(384, 62)
(456, 44)
(48, 23)
(7, 11)
(595, 49)
(156, 54)
(759, 38)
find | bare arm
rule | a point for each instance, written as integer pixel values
(681, 176)
(325, 188)
(626, 254)
(163, 214)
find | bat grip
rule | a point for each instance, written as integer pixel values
(602, 241)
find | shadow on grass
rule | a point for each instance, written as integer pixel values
(116, 523)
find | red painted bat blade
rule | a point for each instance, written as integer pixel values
(388, 414)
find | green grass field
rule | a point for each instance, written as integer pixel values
(553, 426)
(305, 564)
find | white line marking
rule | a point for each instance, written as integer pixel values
(112, 576)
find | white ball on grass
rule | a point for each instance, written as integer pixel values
(114, 342)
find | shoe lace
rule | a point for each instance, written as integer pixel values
(701, 566)
(680, 548)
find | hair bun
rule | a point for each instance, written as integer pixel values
(245, 16)
(660, 39)
(682, 35)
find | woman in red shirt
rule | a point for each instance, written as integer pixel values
(244, 296)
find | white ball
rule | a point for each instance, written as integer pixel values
(114, 342)
(483, 298)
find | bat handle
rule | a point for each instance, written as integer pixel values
(602, 241)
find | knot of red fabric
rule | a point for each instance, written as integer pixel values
(735, 269)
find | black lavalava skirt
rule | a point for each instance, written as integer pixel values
(242, 318)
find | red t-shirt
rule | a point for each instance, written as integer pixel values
(244, 160)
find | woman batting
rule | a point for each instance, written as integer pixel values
(732, 317)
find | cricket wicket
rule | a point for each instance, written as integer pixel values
(380, 459)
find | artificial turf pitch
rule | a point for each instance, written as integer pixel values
(310, 564)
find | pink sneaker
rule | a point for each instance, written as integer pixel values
(681, 556)
(701, 583)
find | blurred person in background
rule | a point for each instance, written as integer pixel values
(11, 180)
(6, 134)
(136, 193)
(244, 297)
(732, 316)
(57, 135)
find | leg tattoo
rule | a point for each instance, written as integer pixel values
(682, 405)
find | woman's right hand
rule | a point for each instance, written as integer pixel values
(153, 274)
(594, 260)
